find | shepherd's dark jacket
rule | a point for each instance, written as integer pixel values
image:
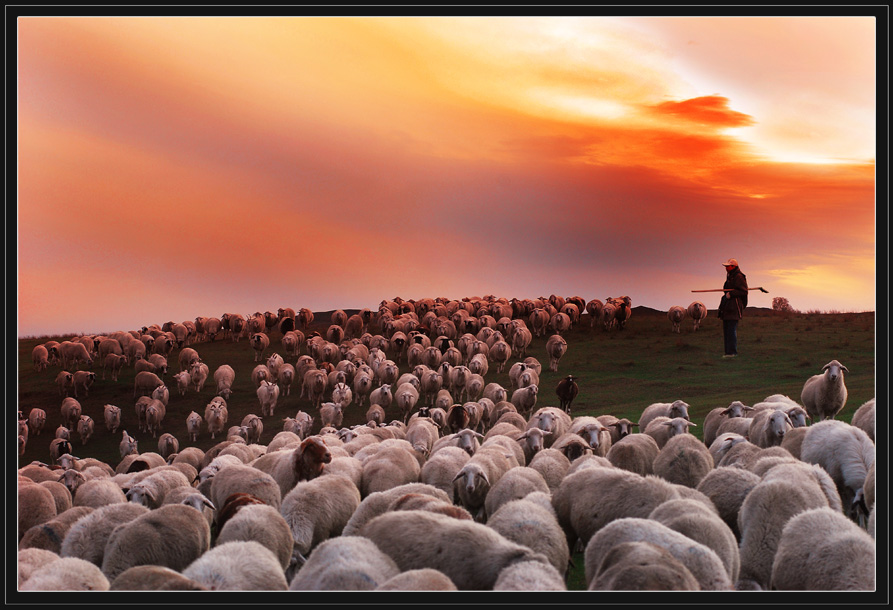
(732, 307)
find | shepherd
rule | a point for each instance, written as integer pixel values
(732, 305)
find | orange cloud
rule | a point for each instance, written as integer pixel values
(710, 110)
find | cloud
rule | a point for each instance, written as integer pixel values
(710, 110)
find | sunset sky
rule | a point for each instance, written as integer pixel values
(170, 168)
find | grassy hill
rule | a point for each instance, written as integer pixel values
(619, 372)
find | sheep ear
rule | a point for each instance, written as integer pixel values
(691, 423)
(746, 408)
(844, 368)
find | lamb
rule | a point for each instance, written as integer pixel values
(824, 395)
(319, 509)
(551, 420)
(662, 429)
(183, 380)
(193, 425)
(259, 343)
(716, 416)
(641, 566)
(406, 396)
(677, 408)
(66, 574)
(635, 453)
(762, 517)
(768, 427)
(683, 460)
(567, 390)
(187, 358)
(111, 415)
(198, 375)
(85, 427)
(846, 453)
(254, 427)
(471, 554)
(697, 311)
(863, 418)
(314, 386)
(530, 521)
(702, 524)
(802, 558)
(703, 563)
(676, 314)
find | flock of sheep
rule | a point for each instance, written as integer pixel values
(473, 486)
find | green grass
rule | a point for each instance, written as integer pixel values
(619, 372)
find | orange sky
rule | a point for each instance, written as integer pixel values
(175, 167)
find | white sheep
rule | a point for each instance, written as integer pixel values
(424, 579)
(268, 396)
(389, 466)
(697, 311)
(678, 408)
(824, 395)
(530, 520)
(331, 414)
(662, 429)
(216, 416)
(803, 559)
(155, 412)
(238, 565)
(193, 425)
(66, 574)
(345, 563)
(590, 498)
(556, 347)
(471, 554)
(846, 453)
(524, 399)
(676, 314)
(716, 416)
(87, 537)
(442, 467)
(768, 427)
(703, 563)
(701, 523)
(259, 343)
(71, 412)
(474, 481)
(224, 377)
(260, 523)
(515, 484)
(727, 486)
(635, 453)
(37, 419)
(151, 490)
(762, 517)
(641, 566)
(381, 501)
(113, 363)
(319, 509)
(863, 418)
(172, 535)
(85, 428)
(235, 478)
(683, 460)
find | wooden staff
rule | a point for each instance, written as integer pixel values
(760, 288)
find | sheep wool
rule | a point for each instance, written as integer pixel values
(842, 558)
(241, 565)
(471, 554)
(66, 574)
(345, 563)
(701, 561)
(319, 509)
(641, 566)
(86, 539)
